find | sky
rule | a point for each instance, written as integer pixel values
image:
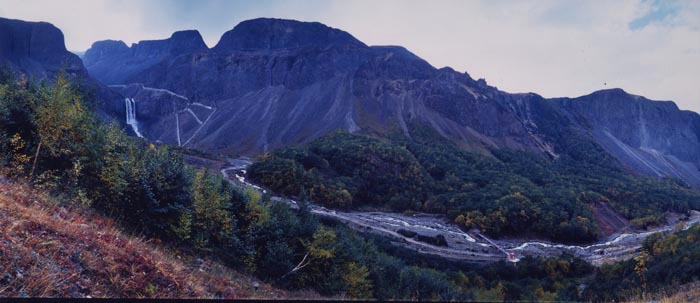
(554, 48)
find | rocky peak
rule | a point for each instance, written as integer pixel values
(273, 34)
(182, 42)
(610, 92)
(35, 48)
(106, 49)
(187, 41)
(112, 62)
(618, 99)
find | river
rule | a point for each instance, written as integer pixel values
(461, 245)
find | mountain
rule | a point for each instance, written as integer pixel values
(37, 50)
(302, 80)
(271, 83)
(112, 62)
(650, 137)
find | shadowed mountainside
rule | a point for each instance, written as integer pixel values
(271, 83)
(37, 50)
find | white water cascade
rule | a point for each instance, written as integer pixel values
(131, 115)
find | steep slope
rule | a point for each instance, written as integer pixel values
(37, 50)
(650, 137)
(271, 83)
(47, 250)
(112, 62)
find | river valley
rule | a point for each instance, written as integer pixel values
(469, 246)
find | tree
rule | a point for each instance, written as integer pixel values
(356, 279)
(18, 160)
(640, 268)
(62, 124)
(212, 220)
(321, 248)
(323, 245)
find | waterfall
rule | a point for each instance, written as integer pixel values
(131, 115)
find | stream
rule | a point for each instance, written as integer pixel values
(467, 246)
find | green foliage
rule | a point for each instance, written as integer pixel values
(322, 245)
(148, 188)
(151, 191)
(508, 193)
(213, 222)
(343, 170)
(61, 118)
(665, 262)
(356, 279)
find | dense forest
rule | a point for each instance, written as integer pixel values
(665, 263)
(507, 193)
(50, 138)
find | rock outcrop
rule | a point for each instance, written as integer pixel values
(36, 49)
(112, 62)
(277, 34)
(651, 137)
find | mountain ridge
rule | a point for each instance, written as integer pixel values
(249, 95)
(292, 91)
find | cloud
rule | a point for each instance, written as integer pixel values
(657, 11)
(554, 48)
(551, 47)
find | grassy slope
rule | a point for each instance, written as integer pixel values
(47, 250)
(684, 293)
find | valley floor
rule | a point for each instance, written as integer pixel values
(474, 247)
(52, 250)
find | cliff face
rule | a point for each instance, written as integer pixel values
(651, 137)
(276, 34)
(112, 62)
(271, 83)
(36, 49)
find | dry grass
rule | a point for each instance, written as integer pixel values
(48, 250)
(684, 293)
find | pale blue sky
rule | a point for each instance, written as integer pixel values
(551, 47)
(659, 11)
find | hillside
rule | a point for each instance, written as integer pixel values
(509, 194)
(685, 293)
(53, 249)
(272, 83)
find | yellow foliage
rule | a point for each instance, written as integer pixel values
(322, 245)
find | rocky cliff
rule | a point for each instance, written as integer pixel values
(36, 49)
(113, 62)
(271, 83)
(651, 137)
